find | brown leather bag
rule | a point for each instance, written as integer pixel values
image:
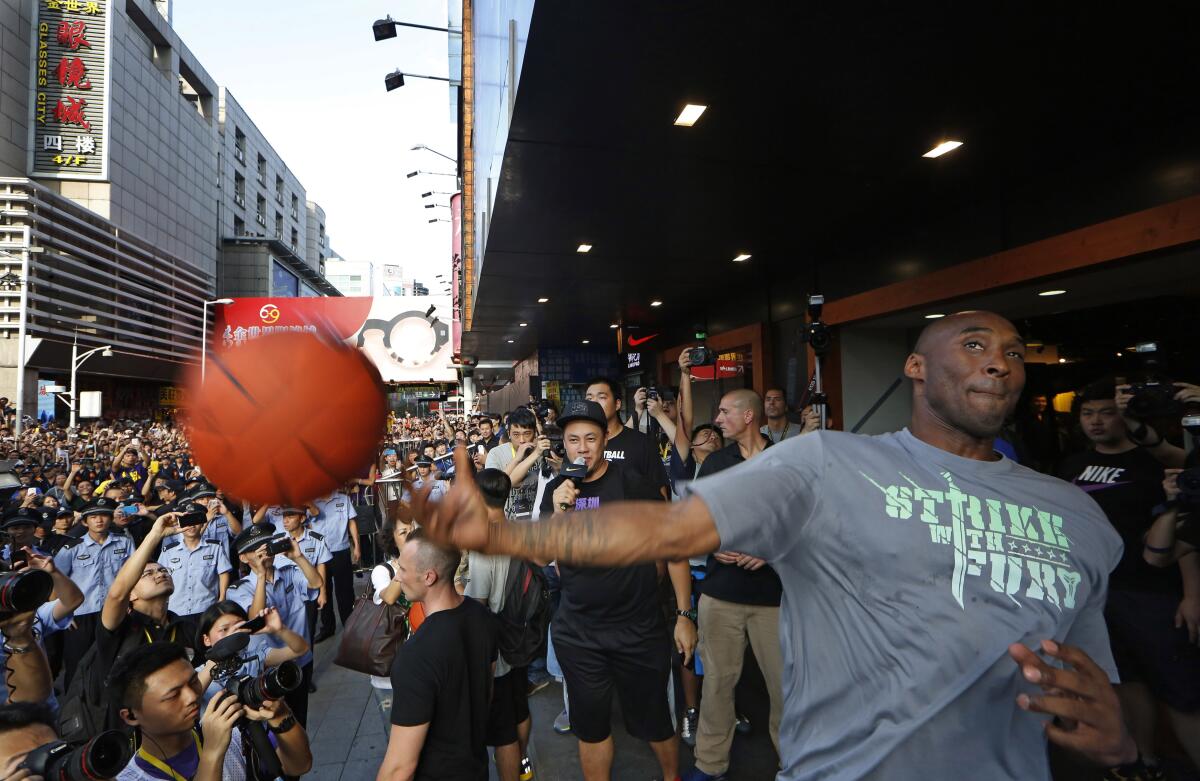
(371, 635)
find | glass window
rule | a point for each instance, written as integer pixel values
(283, 282)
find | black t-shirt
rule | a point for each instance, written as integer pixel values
(1127, 486)
(136, 630)
(639, 454)
(607, 607)
(729, 582)
(443, 677)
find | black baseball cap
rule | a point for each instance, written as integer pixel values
(173, 485)
(253, 536)
(582, 410)
(24, 516)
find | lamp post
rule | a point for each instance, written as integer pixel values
(77, 361)
(204, 334)
(22, 318)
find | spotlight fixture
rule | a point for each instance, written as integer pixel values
(1048, 293)
(394, 80)
(584, 248)
(656, 303)
(943, 148)
(934, 316)
(741, 257)
(690, 115)
(384, 29)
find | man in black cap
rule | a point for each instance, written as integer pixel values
(424, 476)
(609, 630)
(21, 526)
(284, 588)
(91, 563)
(167, 494)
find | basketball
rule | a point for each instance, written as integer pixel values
(284, 419)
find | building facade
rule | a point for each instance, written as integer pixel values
(351, 277)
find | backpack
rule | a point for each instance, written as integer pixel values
(525, 617)
(84, 711)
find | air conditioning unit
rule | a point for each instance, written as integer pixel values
(261, 220)
(240, 200)
(239, 154)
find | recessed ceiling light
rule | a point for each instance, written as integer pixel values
(522, 324)
(690, 114)
(543, 300)
(741, 257)
(614, 325)
(656, 303)
(1051, 293)
(587, 341)
(584, 248)
(1062, 360)
(1119, 355)
(934, 316)
(510, 341)
(943, 148)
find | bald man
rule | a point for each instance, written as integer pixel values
(740, 606)
(941, 603)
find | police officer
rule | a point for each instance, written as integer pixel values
(312, 545)
(336, 523)
(199, 566)
(284, 588)
(169, 493)
(91, 563)
(223, 525)
(21, 526)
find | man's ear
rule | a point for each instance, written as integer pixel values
(128, 716)
(914, 367)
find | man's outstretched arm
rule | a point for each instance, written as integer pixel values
(614, 535)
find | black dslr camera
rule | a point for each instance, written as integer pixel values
(103, 756)
(1154, 397)
(277, 546)
(23, 590)
(701, 356)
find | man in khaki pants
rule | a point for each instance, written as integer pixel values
(740, 605)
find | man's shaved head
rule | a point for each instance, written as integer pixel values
(746, 399)
(968, 370)
(740, 411)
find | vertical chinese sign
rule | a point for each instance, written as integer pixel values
(68, 128)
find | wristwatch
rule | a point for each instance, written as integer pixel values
(688, 614)
(284, 725)
(16, 649)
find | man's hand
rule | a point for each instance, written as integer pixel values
(38, 561)
(654, 407)
(1171, 483)
(322, 598)
(565, 495)
(1188, 393)
(460, 517)
(750, 563)
(273, 711)
(728, 557)
(222, 714)
(639, 399)
(685, 637)
(294, 553)
(273, 622)
(1088, 714)
(355, 553)
(810, 419)
(1188, 614)
(685, 360)
(167, 524)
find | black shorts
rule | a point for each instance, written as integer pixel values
(1149, 649)
(510, 707)
(640, 676)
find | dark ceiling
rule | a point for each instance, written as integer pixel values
(809, 156)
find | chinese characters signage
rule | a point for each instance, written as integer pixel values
(68, 125)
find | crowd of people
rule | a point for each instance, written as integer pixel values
(916, 603)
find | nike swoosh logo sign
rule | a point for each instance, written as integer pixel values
(635, 342)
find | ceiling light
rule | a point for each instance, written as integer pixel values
(587, 341)
(584, 248)
(614, 325)
(1119, 355)
(656, 303)
(943, 148)
(1062, 360)
(522, 324)
(741, 257)
(510, 341)
(1046, 293)
(543, 300)
(934, 316)
(690, 114)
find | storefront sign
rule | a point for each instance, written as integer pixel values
(405, 340)
(727, 365)
(170, 396)
(634, 360)
(69, 74)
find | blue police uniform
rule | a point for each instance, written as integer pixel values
(334, 520)
(93, 566)
(286, 594)
(333, 523)
(195, 573)
(312, 546)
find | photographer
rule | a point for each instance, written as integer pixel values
(1176, 532)
(159, 694)
(268, 647)
(1146, 436)
(519, 459)
(26, 669)
(199, 567)
(284, 588)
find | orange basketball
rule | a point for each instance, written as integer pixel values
(285, 418)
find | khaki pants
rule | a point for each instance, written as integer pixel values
(725, 629)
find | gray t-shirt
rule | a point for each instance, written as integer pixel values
(486, 579)
(907, 572)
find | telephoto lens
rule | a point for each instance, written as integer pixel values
(103, 756)
(270, 685)
(23, 591)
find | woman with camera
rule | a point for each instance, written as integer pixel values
(271, 643)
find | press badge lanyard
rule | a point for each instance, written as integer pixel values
(150, 639)
(162, 766)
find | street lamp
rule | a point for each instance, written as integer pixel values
(430, 173)
(77, 361)
(419, 147)
(386, 28)
(439, 219)
(204, 334)
(395, 79)
(423, 195)
(22, 317)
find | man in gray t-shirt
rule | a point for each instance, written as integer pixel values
(920, 569)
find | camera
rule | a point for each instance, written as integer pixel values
(23, 591)
(103, 756)
(1153, 399)
(279, 545)
(251, 691)
(191, 518)
(816, 333)
(701, 356)
(1189, 487)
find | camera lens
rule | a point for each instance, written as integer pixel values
(24, 591)
(104, 756)
(271, 685)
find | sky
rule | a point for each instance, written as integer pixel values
(310, 75)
